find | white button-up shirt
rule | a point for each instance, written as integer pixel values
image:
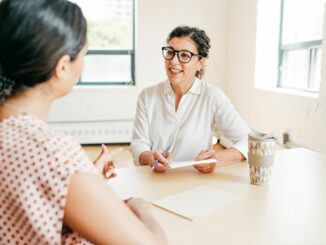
(202, 111)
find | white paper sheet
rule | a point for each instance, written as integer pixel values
(196, 202)
(190, 163)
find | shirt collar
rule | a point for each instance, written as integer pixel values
(195, 88)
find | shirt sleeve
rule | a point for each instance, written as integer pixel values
(65, 158)
(45, 163)
(230, 124)
(140, 140)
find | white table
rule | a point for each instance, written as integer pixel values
(290, 210)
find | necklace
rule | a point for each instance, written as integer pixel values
(16, 108)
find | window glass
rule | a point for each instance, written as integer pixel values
(110, 59)
(300, 44)
(295, 69)
(302, 20)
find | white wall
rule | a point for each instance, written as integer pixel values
(155, 19)
(231, 24)
(303, 118)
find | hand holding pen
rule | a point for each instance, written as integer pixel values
(162, 161)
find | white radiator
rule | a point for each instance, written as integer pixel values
(97, 132)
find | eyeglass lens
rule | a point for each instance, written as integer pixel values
(183, 55)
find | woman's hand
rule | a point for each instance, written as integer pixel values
(105, 164)
(150, 157)
(223, 156)
(206, 168)
(163, 158)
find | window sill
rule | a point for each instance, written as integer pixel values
(290, 92)
(104, 87)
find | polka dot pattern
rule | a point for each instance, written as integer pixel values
(36, 164)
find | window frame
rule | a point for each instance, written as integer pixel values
(103, 51)
(311, 46)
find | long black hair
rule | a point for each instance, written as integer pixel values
(34, 35)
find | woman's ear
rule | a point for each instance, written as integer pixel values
(201, 63)
(62, 69)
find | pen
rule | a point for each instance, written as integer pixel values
(157, 161)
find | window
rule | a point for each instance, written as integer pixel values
(111, 38)
(301, 30)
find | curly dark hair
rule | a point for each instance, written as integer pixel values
(198, 36)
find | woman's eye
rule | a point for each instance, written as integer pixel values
(170, 52)
(185, 55)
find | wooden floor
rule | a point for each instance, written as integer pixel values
(121, 159)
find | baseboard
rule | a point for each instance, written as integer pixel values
(97, 132)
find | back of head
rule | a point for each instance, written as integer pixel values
(34, 35)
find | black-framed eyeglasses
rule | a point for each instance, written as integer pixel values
(184, 56)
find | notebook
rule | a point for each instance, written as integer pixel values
(190, 163)
(196, 202)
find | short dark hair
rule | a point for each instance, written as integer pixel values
(198, 36)
(34, 35)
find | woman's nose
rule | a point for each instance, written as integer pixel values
(175, 59)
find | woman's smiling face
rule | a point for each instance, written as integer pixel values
(183, 73)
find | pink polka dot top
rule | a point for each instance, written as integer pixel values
(36, 165)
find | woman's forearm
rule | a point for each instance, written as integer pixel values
(149, 221)
(228, 156)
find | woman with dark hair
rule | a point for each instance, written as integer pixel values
(51, 193)
(181, 114)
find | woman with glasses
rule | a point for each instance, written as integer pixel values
(50, 192)
(176, 119)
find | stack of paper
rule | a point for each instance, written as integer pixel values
(196, 202)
